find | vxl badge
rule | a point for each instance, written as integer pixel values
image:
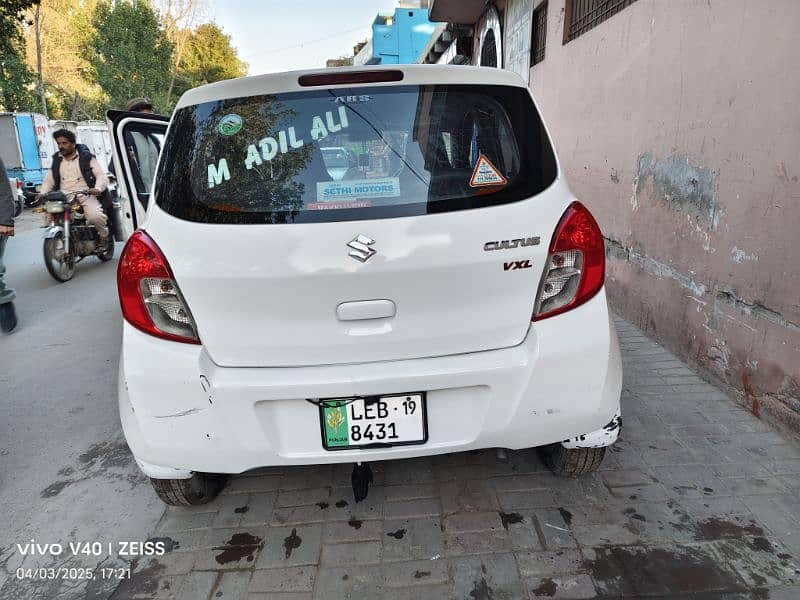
(361, 248)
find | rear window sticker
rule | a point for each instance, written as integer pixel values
(339, 205)
(270, 147)
(486, 174)
(218, 173)
(230, 124)
(359, 189)
(319, 131)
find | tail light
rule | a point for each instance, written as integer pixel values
(148, 294)
(576, 264)
(19, 184)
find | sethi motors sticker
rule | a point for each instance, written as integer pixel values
(361, 189)
(486, 174)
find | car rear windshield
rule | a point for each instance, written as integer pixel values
(353, 154)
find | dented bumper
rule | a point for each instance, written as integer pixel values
(181, 412)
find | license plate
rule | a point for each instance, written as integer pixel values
(375, 421)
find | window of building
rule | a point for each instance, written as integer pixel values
(539, 33)
(583, 15)
(489, 50)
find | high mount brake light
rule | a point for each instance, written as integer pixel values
(148, 294)
(576, 264)
(376, 76)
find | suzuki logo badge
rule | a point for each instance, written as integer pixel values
(361, 248)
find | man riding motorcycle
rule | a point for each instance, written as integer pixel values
(76, 168)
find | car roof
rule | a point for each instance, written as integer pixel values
(276, 83)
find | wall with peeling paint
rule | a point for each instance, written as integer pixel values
(678, 124)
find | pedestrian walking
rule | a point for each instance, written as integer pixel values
(8, 314)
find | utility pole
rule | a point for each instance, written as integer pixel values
(36, 24)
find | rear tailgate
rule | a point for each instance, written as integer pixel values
(354, 225)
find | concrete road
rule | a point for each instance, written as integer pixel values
(66, 474)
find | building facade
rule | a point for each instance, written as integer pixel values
(397, 38)
(677, 123)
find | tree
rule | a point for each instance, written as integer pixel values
(131, 54)
(178, 18)
(209, 57)
(15, 77)
(65, 30)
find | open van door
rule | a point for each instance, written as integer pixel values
(137, 139)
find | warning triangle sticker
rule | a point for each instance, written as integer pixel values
(486, 174)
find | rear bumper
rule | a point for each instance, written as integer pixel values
(181, 411)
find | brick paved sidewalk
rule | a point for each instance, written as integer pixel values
(699, 499)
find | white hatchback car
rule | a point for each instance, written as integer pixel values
(444, 294)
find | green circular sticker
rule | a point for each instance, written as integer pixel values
(230, 124)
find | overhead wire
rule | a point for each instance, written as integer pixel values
(314, 41)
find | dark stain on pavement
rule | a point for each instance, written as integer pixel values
(716, 529)
(547, 587)
(341, 504)
(241, 510)
(510, 519)
(760, 544)
(54, 489)
(323, 505)
(632, 571)
(113, 453)
(421, 574)
(481, 590)
(292, 542)
(355, 523)
(566, 515)
(398, 535)
(240, 546)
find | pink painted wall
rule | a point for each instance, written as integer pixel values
(678, 123)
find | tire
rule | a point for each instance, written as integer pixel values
(201, 488)
(572, 462)
(60, 267)
(19, 204)
(109, 253)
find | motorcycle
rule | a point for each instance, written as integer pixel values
(68, 237)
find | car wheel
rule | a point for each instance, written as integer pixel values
(572, 462)
(200, 488)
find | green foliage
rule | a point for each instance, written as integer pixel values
(16, 80)
(130, 53)
(208, 57)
